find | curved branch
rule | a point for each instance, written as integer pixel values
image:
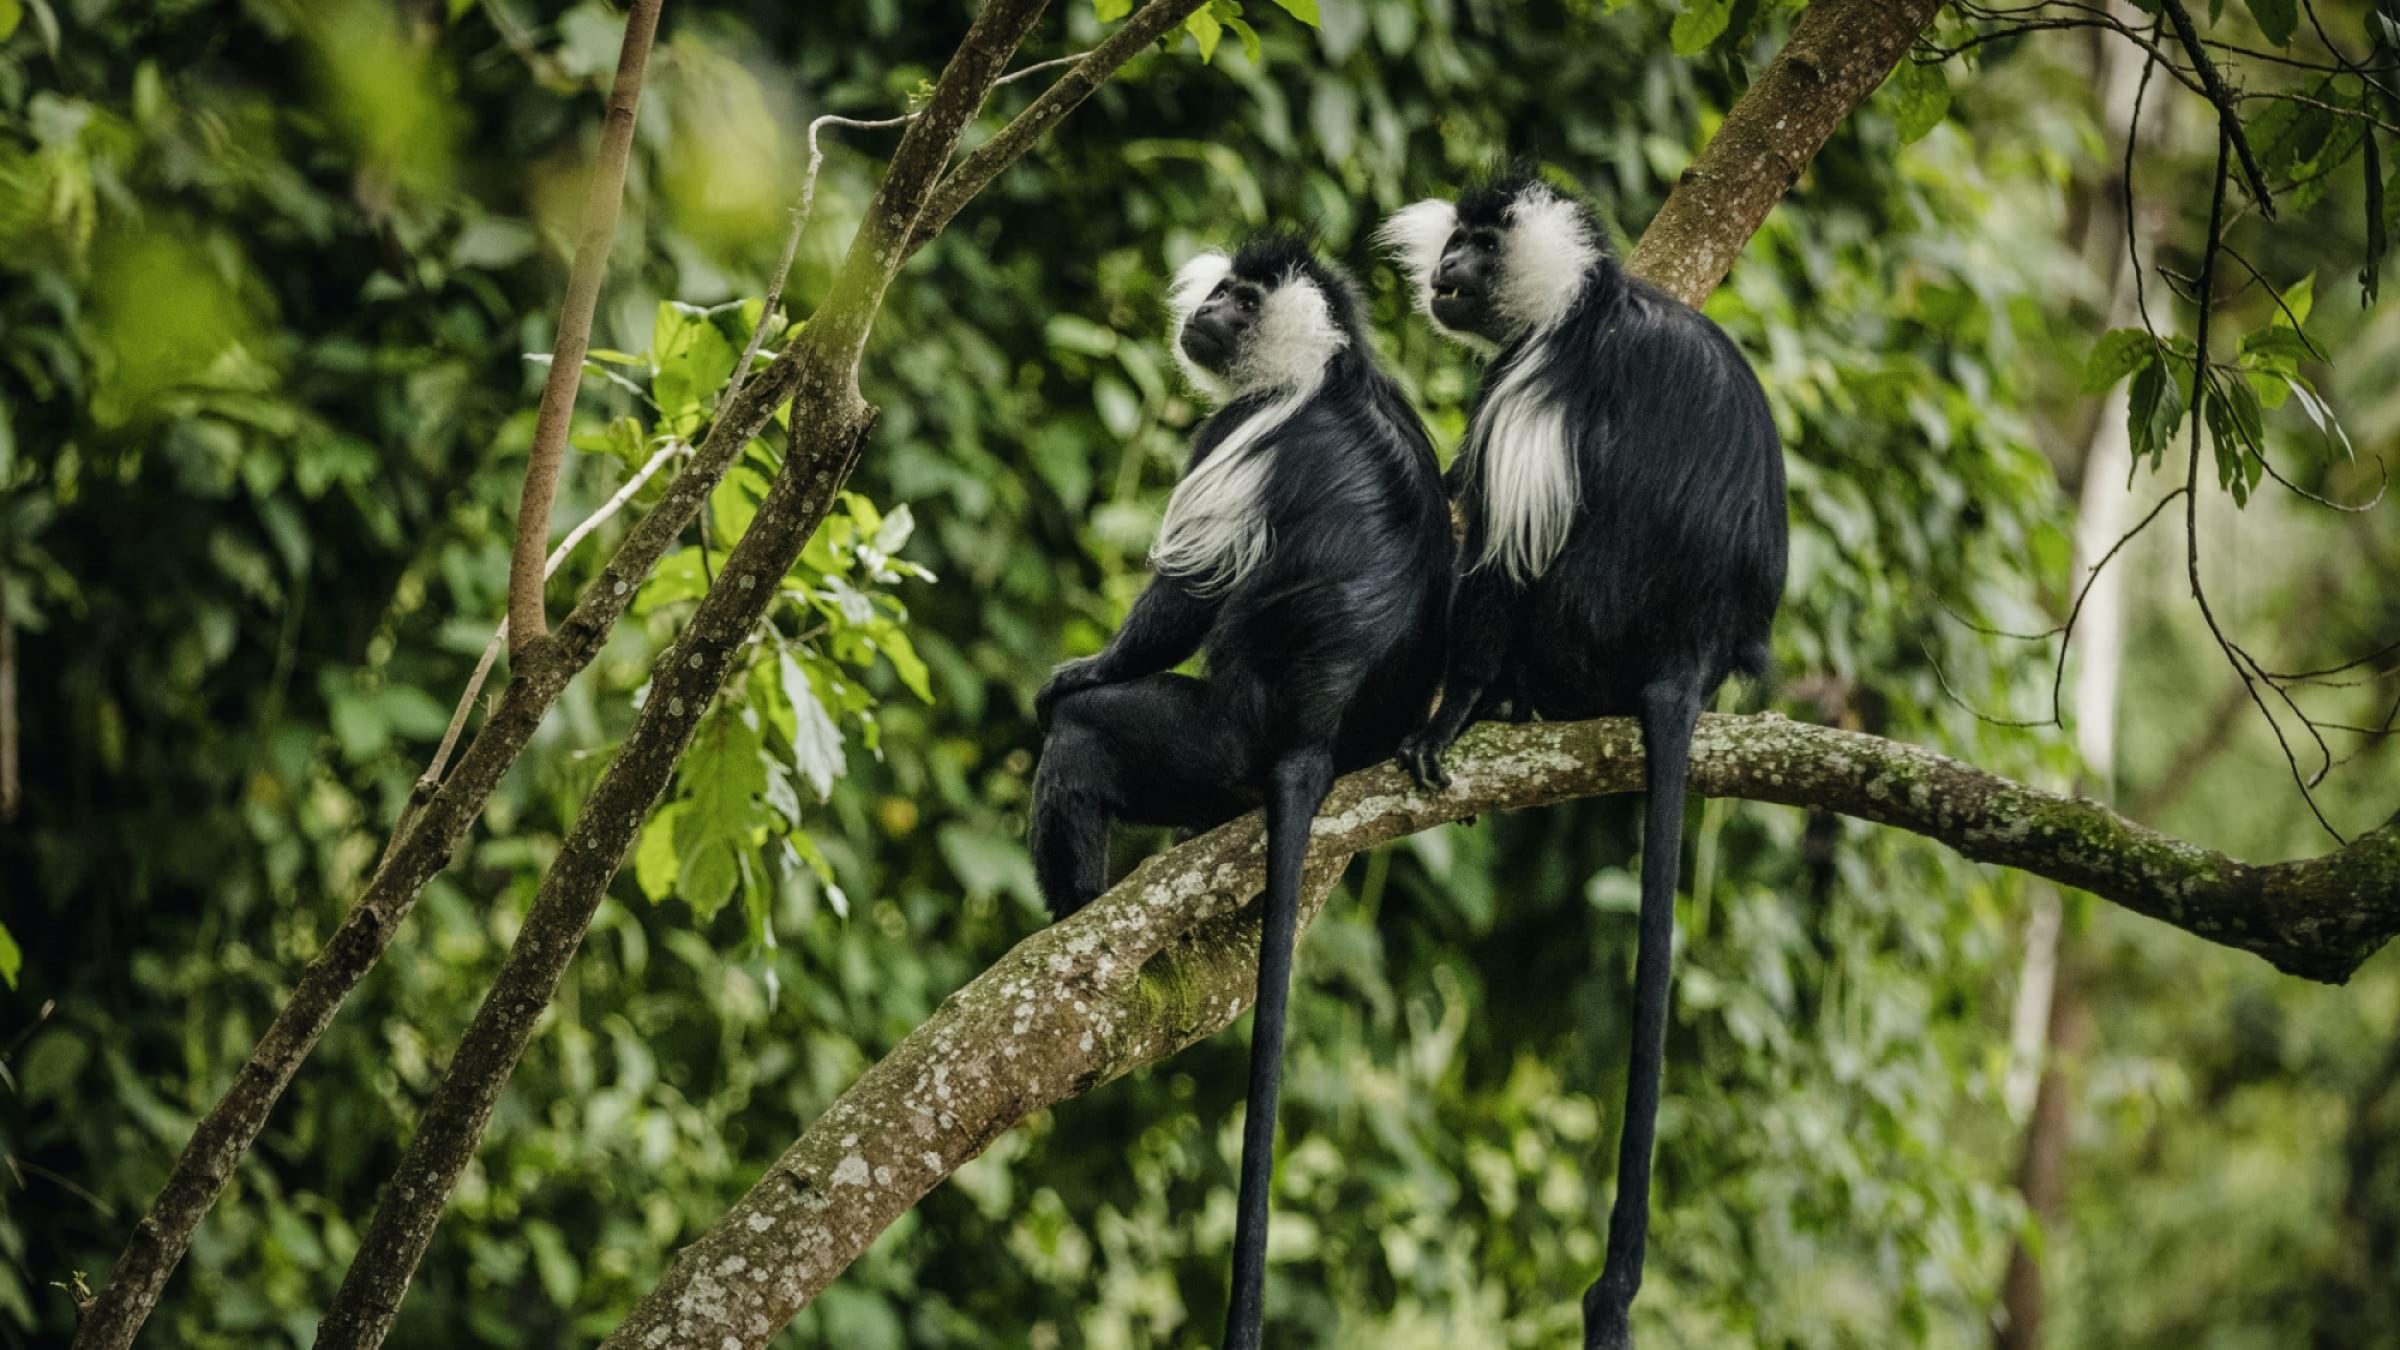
(1168, 957)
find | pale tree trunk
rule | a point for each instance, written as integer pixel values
(2051, 1027)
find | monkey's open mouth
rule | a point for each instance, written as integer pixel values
(1445, 293)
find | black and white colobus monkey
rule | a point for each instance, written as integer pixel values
(1622, 486)
(1308, 550)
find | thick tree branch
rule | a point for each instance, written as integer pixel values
(526, 622)
(1839, 53)
(1168, 957)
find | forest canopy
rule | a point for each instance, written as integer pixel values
(372, 969)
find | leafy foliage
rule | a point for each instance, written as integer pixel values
(272, 277)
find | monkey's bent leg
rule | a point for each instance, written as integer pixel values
(1670, 709)
(1152, 750)
(1296, 787)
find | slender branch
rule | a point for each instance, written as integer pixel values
(525, 574)
(2229, 111)
(1166, 959)
(976, 172)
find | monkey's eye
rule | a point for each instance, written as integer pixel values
(1247, 300)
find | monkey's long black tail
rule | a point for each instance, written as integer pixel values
(1295, 790)
(1670, 710)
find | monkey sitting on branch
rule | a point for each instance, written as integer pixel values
(1307, 551)
(1622, 488)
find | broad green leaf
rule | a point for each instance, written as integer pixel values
(1303, 10)
(12, 13)
(708, 878)
(2282, 342)
(1920, 94)
(905, 662)
(2298, 301)
(12, 957)
(2276, 19)
(1205, 31)
(1109, 11)
(655, 864)
(1701, 23)
(816, 741)
(2116, 355)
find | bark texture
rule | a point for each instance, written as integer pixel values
(1840, 52)
(1169, 956)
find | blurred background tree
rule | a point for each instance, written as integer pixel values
(271, 272)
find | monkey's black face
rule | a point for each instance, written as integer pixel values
(1213, 336)
(1465, 280)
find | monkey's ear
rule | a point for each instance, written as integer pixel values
(1193, 282)
(1415, 236)
(1549, 249)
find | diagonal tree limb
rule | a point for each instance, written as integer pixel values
(827, 434)
(527, 623)
(431, 828)
(816, 1210)
(1168, 958)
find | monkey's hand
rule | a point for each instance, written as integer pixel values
(1421, 754)
(1071, 678)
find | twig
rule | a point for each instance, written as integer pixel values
(432, 777)
(527, 624)
(2229, 115)
(2191, 514)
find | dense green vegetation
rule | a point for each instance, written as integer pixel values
(269, 275)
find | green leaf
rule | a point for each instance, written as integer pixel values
(708, 878)
(906, 663)
(1205, 31)
(2298, 301)
(1249, 36)
(655, 864)
(2277, 19)
(1109, 11)
(12, 957)
(1303, 10)
(12, 13)
(2278, 343)
(1920, 94)
(1701, 23)
(2116, 355)
(816, 741)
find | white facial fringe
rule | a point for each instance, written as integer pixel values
(1417, 234)
(1530, 488)
(1545, 259)
(1193, 283)
(1215, 529)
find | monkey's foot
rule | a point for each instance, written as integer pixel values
(1421, 756)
